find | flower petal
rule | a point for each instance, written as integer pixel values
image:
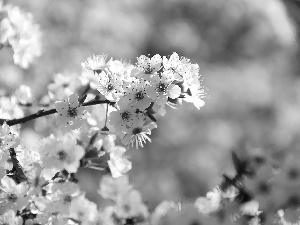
(68, 142)
(62, 121)
(174, 91)
(78, 152)
(151, 92)
(72, 167)
(61, 107)
(73, 100)
(143, 104)
(75, 124)
(8, 184)
(126, 139)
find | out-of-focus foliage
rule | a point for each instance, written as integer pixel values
(245, 49)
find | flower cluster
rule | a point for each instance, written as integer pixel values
(18, 31)
(110, 100)
(142, 91)
(127, 202)
(263, 191)
(113, 100)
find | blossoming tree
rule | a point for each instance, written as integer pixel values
(85, 114)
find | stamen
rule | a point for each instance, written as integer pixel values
(125, 115)
(139, 95)
(161, 87)
(12, 197)
(136, 130)
(67, 199)
(138, 139)
(110, 87)
(72, 112)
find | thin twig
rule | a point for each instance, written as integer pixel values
(42, 113)
(106, 115)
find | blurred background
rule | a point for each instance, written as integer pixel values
(248, 57)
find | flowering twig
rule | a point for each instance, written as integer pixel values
(42, 113)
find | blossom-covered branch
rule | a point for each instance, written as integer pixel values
(40, 180)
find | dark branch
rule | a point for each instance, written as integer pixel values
(42, 113)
